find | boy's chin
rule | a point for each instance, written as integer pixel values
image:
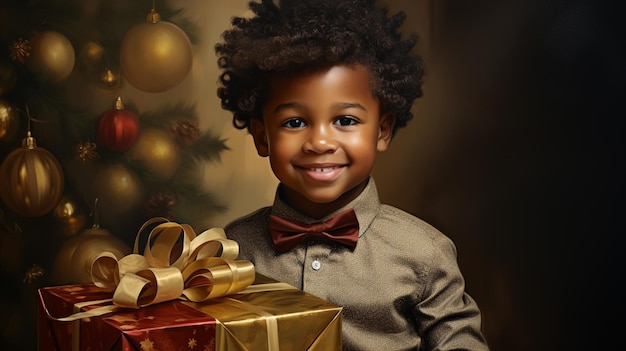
(322, 201)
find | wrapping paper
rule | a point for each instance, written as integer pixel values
(265, 316)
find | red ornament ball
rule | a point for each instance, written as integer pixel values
(118, 129)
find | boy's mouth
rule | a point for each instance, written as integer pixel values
(322, 172)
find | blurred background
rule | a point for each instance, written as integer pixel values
(516, 150)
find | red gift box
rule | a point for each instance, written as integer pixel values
(266, 316)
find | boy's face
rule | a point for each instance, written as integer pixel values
(322, 131)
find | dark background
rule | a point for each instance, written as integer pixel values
(522, 165)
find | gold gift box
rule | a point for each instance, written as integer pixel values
(271, 320)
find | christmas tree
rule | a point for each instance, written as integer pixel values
(77, 158)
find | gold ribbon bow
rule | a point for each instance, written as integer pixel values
(176, 263)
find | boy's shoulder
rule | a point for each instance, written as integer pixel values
(254, 219)
(409, 228)
(389, 213)
(250, 233)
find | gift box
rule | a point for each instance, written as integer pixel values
(265, 316)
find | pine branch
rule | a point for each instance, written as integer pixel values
(207, 147)
(162, 117)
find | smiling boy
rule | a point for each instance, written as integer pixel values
(321, 132)
(322, 86)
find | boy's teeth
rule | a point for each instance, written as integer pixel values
(323, 170)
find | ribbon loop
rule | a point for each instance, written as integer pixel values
(175, 264)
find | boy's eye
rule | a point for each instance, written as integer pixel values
(294, 123)
(346, 121)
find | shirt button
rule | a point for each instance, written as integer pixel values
(316, 265)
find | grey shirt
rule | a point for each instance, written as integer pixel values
(400, 289)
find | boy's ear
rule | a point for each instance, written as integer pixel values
(257, 129)
(385, 131)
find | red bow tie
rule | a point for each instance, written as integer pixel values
(342, 228)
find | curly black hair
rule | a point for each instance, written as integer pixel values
(302, 35)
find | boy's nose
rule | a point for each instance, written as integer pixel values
(319, 140)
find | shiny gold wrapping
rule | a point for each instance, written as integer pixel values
(274, 316)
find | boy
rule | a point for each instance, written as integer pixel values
(322, 86)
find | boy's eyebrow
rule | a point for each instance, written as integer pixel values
(339, 105)
(287, 105)
(350, 105)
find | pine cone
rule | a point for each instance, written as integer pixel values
(86, 151)
(20, 50)
(185, 131)
(161, 205)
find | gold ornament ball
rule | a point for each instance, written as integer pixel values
(158, 152)
(118, 191)
(52, 56)
(90, 56)
(155, 55)
(73, 260)
(90, 59)
(9, 123)
(70, 216)
(32, 180)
